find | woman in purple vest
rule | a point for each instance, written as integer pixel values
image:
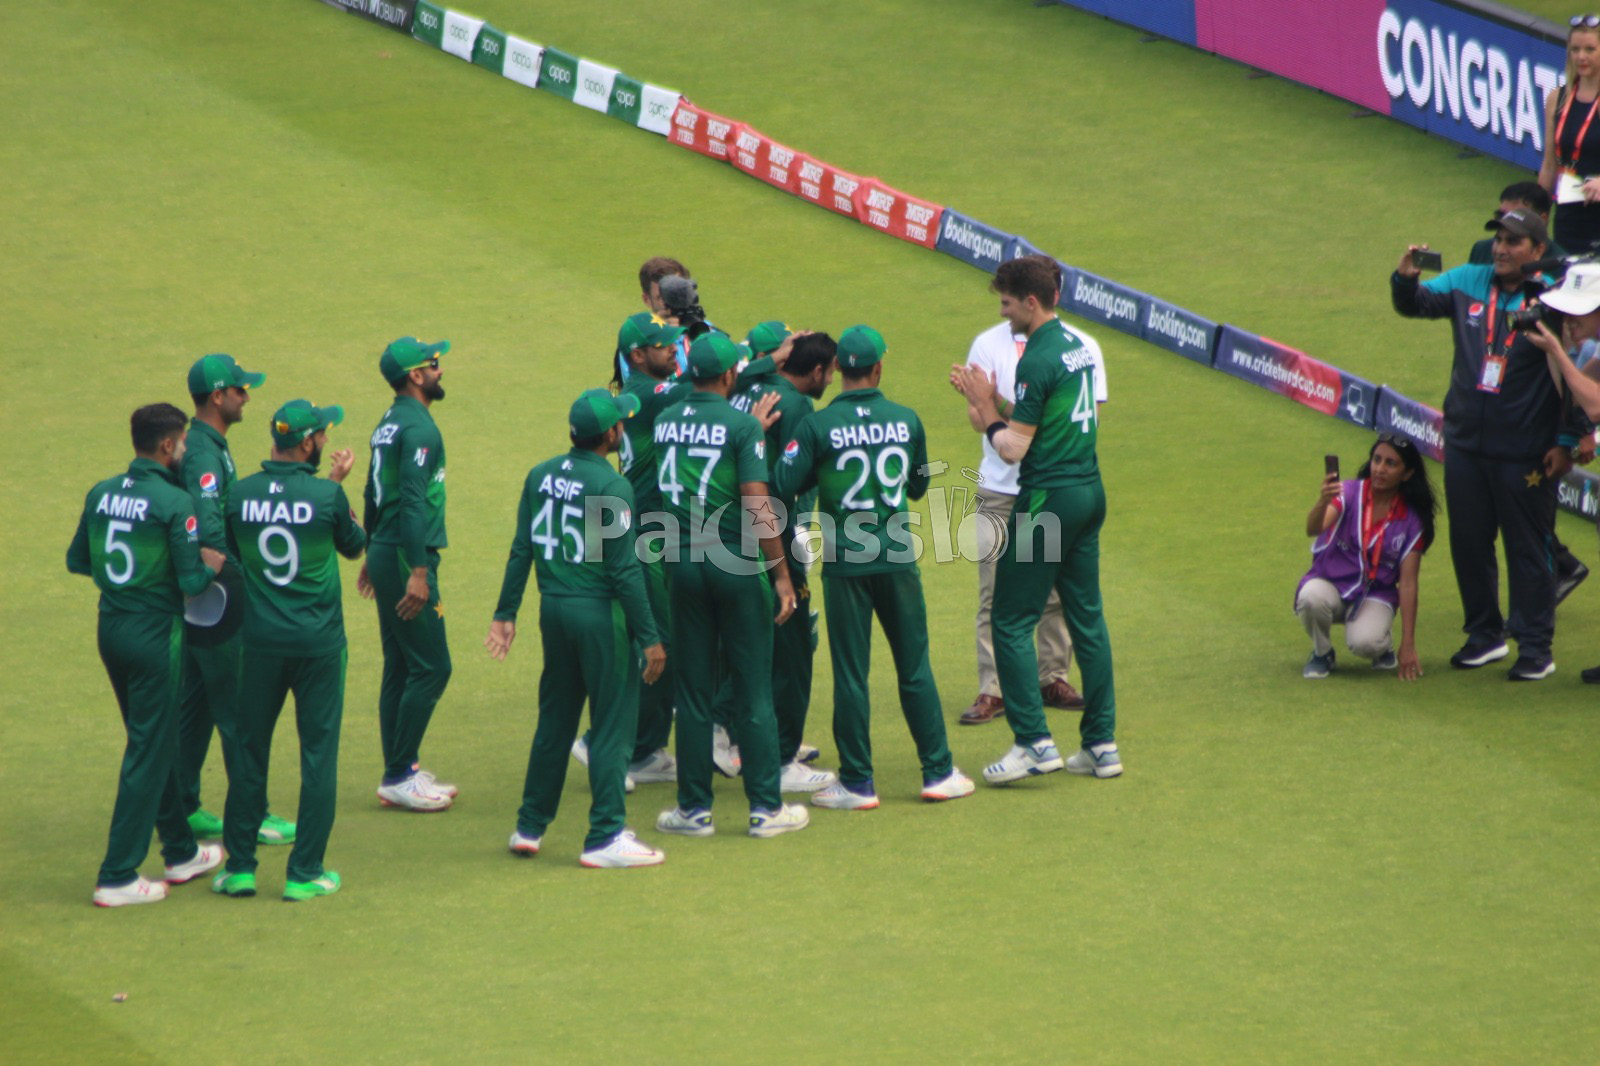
(1370, 535)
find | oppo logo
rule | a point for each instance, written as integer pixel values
(459, 32)
(490, 45)
(429, 19)
(522, 59)
(592, 86)
(558, 74)
(626, 98)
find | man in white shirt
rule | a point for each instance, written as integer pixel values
(996, 351)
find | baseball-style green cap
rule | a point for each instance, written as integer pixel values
(213, 372)
(860, 347)
(645, 330)
(298, 419)
(768, 337)
(598, 410)
(713, 355)
(406, 354)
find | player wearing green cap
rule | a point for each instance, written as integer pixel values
(712, 472)
(139, 539)
(288, 527)
(404, 520)
(220, 388)
(575, 529)
(803, 377)
(868, 456)
(1053, 536)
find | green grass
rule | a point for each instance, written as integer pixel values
(1356, 871)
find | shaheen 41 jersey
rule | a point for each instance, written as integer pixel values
(1055, 394)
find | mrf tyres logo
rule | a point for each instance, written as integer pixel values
(1442, 69)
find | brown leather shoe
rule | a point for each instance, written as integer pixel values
(1061, 695)
(986, 709)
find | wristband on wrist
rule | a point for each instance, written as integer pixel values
(993, 428)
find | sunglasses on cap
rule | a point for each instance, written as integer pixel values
(1589, 21)
(1394, 439)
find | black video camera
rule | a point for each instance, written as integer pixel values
(1528, 317)
(681, 296)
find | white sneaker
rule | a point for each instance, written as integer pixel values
(448, 791)
(953, 787)
(806, 753)
(413, 794)
(624, 850)
(724, 753)
(1101, 760)
(787, 819)
(580, 751)
(206, 858)
(695, 823)
(136, 891)
(839, 797)
(525, 846)
(657, 767)
(1040, 757)
(798, 777)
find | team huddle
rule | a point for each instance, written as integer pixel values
(672, 594)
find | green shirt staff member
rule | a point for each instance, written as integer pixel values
(139, 540)
(575, 529)
(220, 388)
(404, 520)
(1053, 536)
(288, 527)
(868, 457)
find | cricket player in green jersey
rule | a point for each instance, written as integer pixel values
(802, 378)
(575, 529)
(220, 388)
(1053, 537)
(287, 527)
(712, 472)
(868, 457)
(139, 540)
(404, 520)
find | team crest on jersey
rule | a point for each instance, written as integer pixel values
(191, 526)
(663, 387)
(208, 484)
(761, 449)
(791, 449)
(1022, 390)
(422, 456)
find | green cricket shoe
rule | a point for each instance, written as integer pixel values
(238, 886)
(326, 885)
(205, 825)
(275, 830)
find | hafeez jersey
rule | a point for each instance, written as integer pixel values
(405, 494)
(286, 525)
(1055, 394)
(139, 539)
(566, 502)
(704, 451)
(638, 450)
(208, 473)
(867, 456)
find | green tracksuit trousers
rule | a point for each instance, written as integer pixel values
(143, 657)
(896, 598)
(266, 680)
(416, 659)
(794, 647)
(588, 655)
(1054, 543)
(209, 697)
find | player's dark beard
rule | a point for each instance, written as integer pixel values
(433, 391)
(315, 458)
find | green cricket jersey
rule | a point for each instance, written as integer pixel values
(868, 456)
(286, 524)
(139, 539)
(405, 493)
(565, 503)
(638, 451)
(792, 408)
(705, 450)
(208, 473)
(1055, 394)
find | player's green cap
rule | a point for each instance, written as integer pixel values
(598, 410)
(213, 372)
(645, 330)
(860, 347)
(713, 355)
(768, 337)
(406, 354)
(298, 419)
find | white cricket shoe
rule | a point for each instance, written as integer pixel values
(798, 777)
(207, 857)
(136, 891)
(840, 797)
(806, 753)
(1102, 760)
(1040, 757)
(525, 846)
(787, 819)
(413, 794)
(655, 768)
(956, 785)
(695, 823)
(625, 850)
(724, 753)
(448, 791)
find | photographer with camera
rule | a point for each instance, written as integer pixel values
(672, 298)
(1504, 440)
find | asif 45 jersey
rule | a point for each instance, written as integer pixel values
(139, 540)
(287, 525)
(405, 493)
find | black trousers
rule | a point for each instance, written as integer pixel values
(1512, 498)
